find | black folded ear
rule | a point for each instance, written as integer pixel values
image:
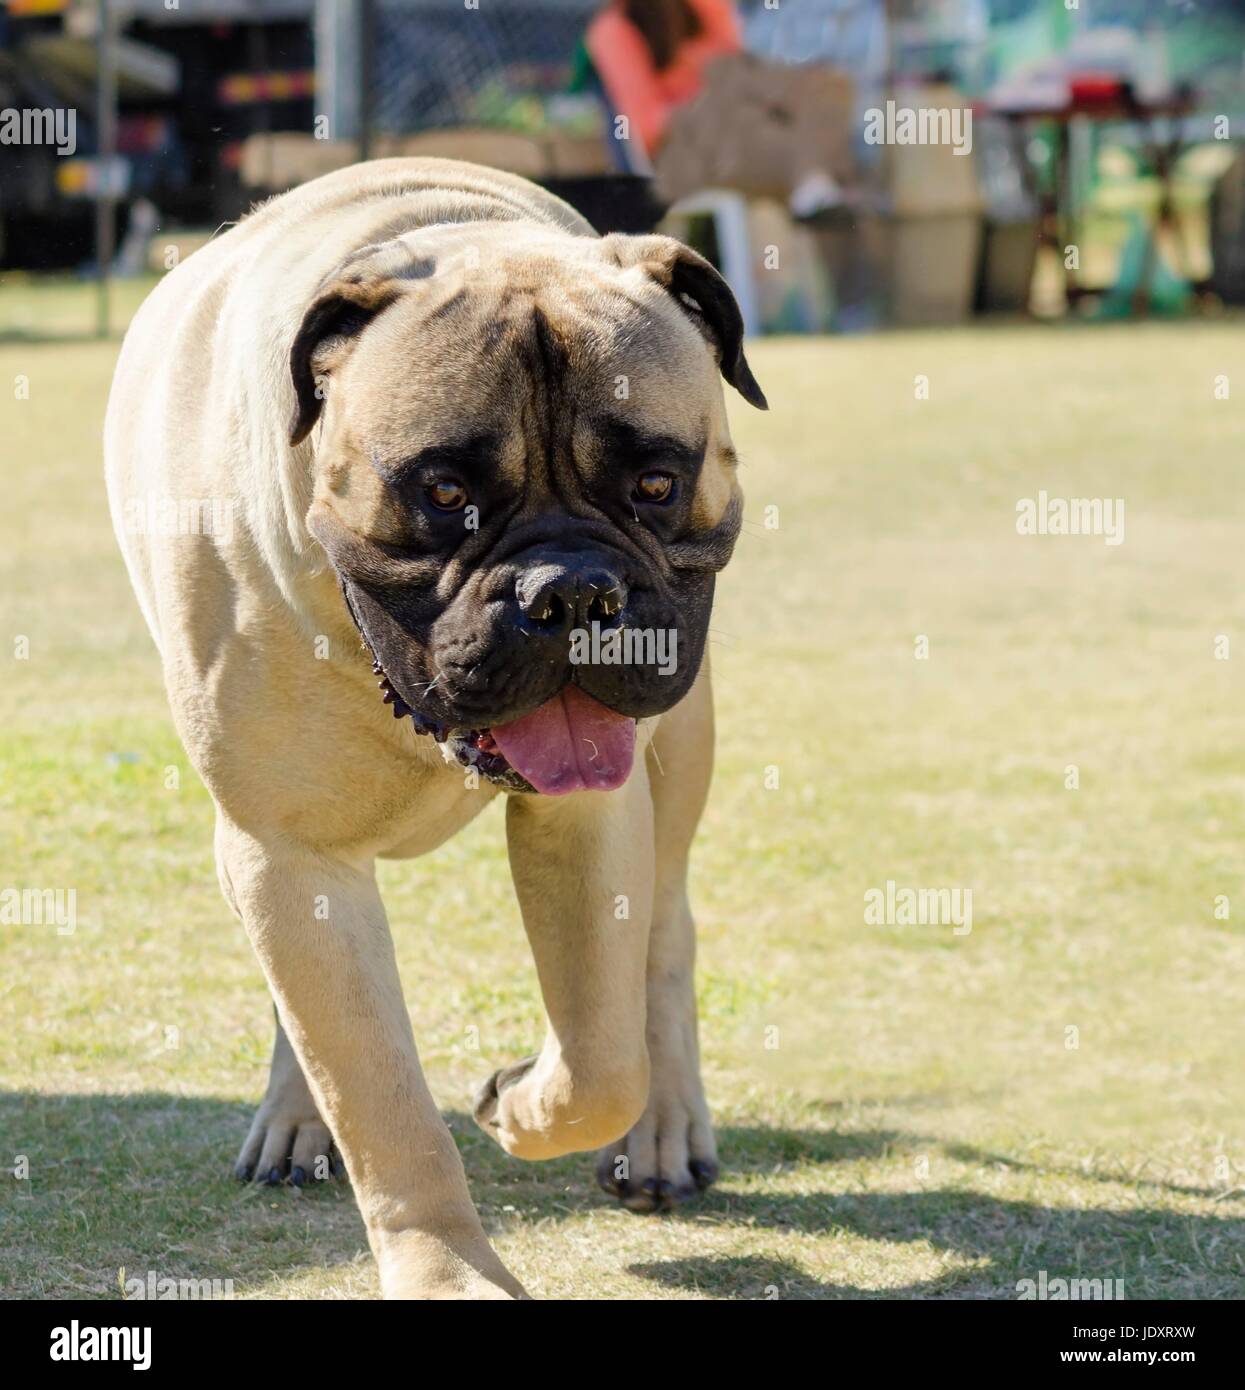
(350, 299)
(703, 294)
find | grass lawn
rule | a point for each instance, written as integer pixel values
(903, 1111)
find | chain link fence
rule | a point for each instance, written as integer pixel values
(436, 63)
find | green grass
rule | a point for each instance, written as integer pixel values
(921, 1127)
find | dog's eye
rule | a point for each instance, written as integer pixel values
(447, 496)
(654, 487)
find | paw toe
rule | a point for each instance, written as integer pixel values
(704, 1172)
(487, 1098)
(484, 1104)
(649, 1171)
(302, 1149)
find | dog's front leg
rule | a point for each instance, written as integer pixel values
(670, 1155)
(583, 869)
(319, 929)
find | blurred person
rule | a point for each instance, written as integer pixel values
(650, 56)
(851, 36)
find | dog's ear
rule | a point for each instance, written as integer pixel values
(703, 295)
(350, 299)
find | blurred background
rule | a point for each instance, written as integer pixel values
(1112, 128)
(902, 1111)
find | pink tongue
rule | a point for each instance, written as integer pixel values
(569, 743)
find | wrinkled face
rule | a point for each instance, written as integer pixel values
(525, 484)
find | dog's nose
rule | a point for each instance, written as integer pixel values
(559, 598)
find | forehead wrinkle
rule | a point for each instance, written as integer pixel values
(468, 455)
(614, 326)
(539, 360)
(648, 445)
(606, 329)
(449, 305)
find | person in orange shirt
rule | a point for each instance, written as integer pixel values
(650, 56)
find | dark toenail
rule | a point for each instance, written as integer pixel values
(274, 1177)
(298, 1177)
(244, 1172)
(704, 1171)
(649, 1185)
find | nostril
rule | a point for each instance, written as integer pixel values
(600, 599)
(555, 598)
(602, 608)
(542, 604)
(549, 611)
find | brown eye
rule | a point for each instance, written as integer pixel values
(654, 487)
(447, 496)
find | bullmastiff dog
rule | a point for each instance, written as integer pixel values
(420, 483)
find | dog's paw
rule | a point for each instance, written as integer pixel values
(485, 1104)
(666, 1159)
(288, 1139)
(540, 1108)
(426, 1266)
(288, 1145)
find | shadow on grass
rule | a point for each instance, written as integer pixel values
(734, 1276)
(39, 337)
(965, 1153)
(1154, 1252)
(141, 1181)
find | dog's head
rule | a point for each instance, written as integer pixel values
(525, 483)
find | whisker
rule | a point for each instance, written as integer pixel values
(652, 748)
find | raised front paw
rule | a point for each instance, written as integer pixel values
(550, 1104)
